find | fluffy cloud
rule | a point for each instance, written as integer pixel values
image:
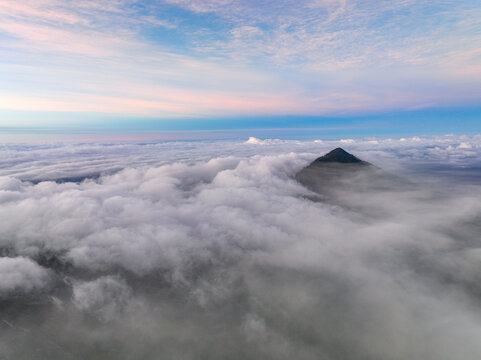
(220, 251)
(105, 296)
(20, 276)
(257, 141)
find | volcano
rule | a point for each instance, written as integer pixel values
(339, 172)
(339, 155)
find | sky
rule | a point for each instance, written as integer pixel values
(124, 236)
(225, 64)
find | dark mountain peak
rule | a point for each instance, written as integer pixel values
(339, 173)
(338, 155)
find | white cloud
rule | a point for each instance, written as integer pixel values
(204, 241)
(20, 276)
(256, 141)
(105, 297)
(464, 145)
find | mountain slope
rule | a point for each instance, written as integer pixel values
(339, 155)
(339, 173)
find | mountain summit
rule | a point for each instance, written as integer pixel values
(339, 173)
(339, 155)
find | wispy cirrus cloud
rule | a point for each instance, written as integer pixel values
(220, 58)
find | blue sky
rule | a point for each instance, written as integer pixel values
(238, 64)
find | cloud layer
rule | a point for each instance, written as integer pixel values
(221, 253)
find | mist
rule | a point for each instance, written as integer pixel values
(215, 250)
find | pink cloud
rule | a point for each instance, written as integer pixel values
(44, 10)
(45, 38)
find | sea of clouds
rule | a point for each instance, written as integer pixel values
(213, 250)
